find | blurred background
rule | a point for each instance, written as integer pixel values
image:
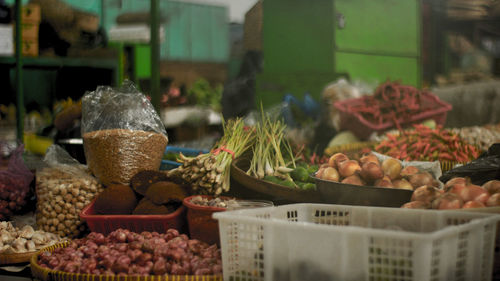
(225, 58)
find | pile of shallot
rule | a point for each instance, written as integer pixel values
(128, 253)
(14, 184)
(458, 193)
(368, 170)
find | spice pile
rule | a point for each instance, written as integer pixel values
(426, 144)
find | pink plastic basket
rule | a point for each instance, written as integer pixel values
(434, 108)
(136, 223)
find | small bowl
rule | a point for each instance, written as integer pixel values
(200, 222)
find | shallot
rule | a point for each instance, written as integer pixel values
(127, 253)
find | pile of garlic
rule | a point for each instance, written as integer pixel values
(25, 239)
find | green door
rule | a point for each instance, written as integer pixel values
(376, 40)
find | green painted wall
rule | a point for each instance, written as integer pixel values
(377, 69)
(304, 48)
(379, 26)
(297, 36)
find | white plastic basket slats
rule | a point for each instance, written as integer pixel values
(335, 242)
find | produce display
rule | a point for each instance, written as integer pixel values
(369, 171)
(458, 193)
(14, 184)
(390, 101)
(208, 173)
(122, 133)
(124, 253)
(62, 192)
(481, 136)
(425, 144)
(149, 193)
(213, 202)
(25, 239)
(115, 155)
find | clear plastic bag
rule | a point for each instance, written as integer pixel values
(63, 188)
(122, 133)
(14, 183)
(341, 90)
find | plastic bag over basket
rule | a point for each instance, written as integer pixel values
(122, 133)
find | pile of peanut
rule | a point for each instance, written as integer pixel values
(61, 196)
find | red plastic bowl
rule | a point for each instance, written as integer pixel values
(136, 223)
(200, 222)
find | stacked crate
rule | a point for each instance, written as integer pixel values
(31, 17)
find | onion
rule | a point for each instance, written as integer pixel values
(408, 171)
(447, 201)
(354, 179)
(369, 157)
(319, 173)
(425, 194)
(416, 205)
(492, 186)
(384, 182)
(470, 192)
(402, 184)
(348, 168)
(459, 180)
(494, 200)
(371, 171)
(473, 204)
(330, 174)
(422, 178)
(392, 168)
(336, 158)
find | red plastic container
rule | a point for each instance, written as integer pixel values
(200, 222)
(136, 223)
(433, 108)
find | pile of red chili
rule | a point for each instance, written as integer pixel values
(425, 144)
(390, 102)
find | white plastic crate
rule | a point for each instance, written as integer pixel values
(335, 242)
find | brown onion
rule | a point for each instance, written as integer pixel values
(392, 168)
(369, 157)
(422, 178)
(473, 204)
(408, 171)
(336, 158)
(492, 186)
(416, 205)
(494, 200)
(402, 184)
(354, 179)
(330, 174)
(384, 182)
(425, 194)
(459, 180)
(371, 171)
(447, 201)
(348, 168)
(470, 192)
